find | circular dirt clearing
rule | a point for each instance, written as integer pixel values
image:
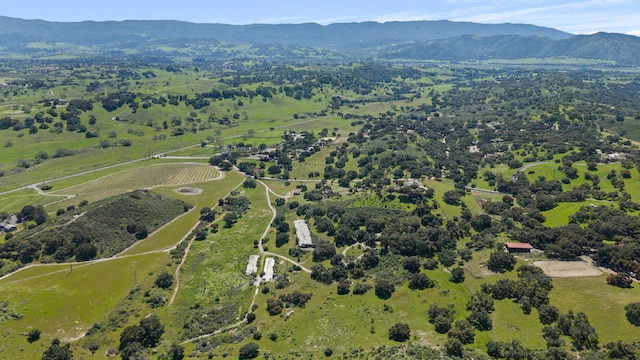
(567, 268)
(188, 191)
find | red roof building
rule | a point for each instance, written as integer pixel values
(518, 247)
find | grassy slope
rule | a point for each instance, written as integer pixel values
(64, 303)
(214, 271)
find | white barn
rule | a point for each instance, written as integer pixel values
(302, 234)
(252, 265)
(268, 269)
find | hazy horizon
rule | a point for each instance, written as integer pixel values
(577, 17)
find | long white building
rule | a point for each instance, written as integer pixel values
(252, 265)
(268, 269)
(302, 233)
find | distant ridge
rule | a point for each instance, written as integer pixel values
(603, 46)
(441, 40)
(310, 34)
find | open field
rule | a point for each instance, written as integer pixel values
(603, 304)
(154, 175)
(14, 202)
(65, 303)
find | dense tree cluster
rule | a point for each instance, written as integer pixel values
(136, 339)
(105, 228)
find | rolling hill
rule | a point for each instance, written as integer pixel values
(417, 40)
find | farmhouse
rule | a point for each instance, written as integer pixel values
(252, 265)
(268, 269)
(518, 247)
(302, 234)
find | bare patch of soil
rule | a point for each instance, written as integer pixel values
(188, 191)
(568, 268)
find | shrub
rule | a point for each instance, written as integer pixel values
(33, 335)
(420, 282)
(633, 313)
(361, 288)
(274, 306)
(620, 280)
(249, 183)
(251, 317)
(384, 289)
(164, 280)
(249, 351)
(399, 332)
(457, 275)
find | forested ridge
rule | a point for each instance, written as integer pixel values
(445, 41)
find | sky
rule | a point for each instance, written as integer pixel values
(572, 16)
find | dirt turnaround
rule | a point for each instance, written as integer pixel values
(188, 191)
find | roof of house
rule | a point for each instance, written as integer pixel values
(521, 246)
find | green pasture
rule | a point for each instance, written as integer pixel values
(272, 135)
(328, 318)
(550, 172)
(559, 215)
(14, 202)
(65, 302)
(313, 163)
(604, 305)
(449, 211)
(215, 268)
(499, 169)
(382, 200)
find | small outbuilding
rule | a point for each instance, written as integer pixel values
(514, 247)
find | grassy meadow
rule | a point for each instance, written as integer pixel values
(65, 300)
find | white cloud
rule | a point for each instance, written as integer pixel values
(343, 19)
(576, 17)
(281, 20)
(634, 32)
(402, 16)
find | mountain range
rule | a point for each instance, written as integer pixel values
(416, 40)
